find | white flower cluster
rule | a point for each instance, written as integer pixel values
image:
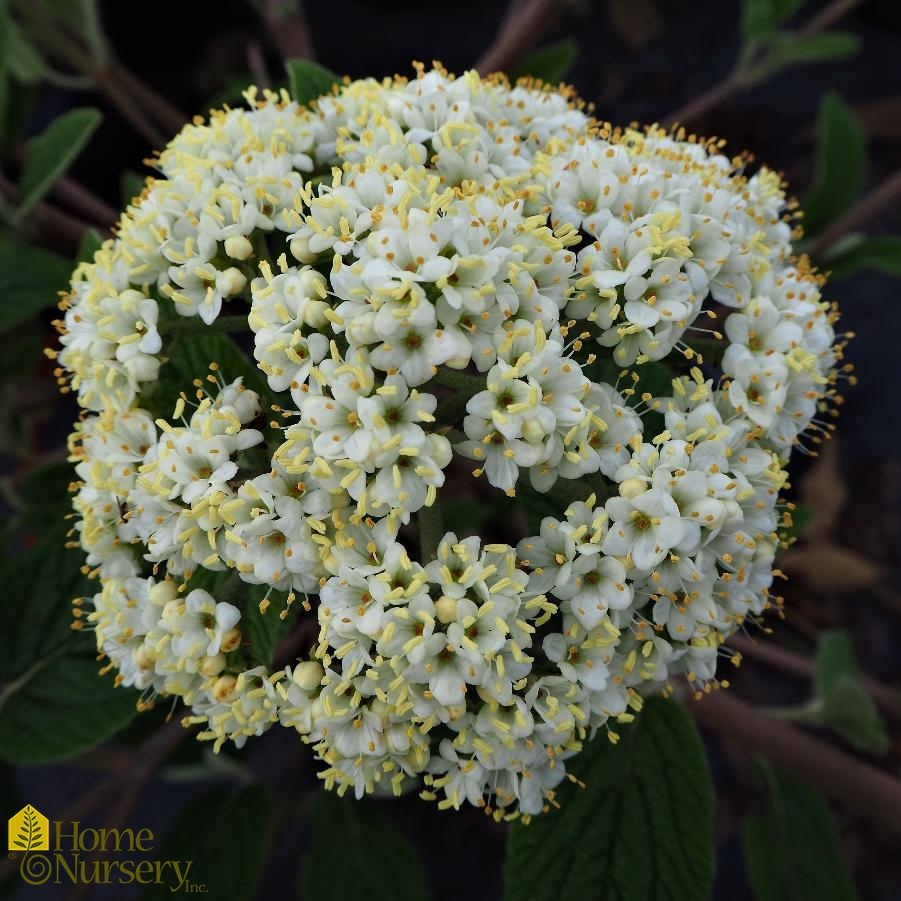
(437, 278)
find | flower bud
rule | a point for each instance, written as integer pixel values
(308, 675)
(212, 666)
(163, 592)
(630, 488)
(223, 687)
(446, 609)
(314, 314)
(230, 641)
(143, 660)
(300, 250)
(238, 247)
(230, 282)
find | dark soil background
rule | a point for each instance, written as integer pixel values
(639, 60)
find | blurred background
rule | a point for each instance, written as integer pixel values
(812, 89)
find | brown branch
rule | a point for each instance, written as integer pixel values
(256, 62)
(519, 33)
(869, 792)
(114, 91)
(168, 116)
(828, 15)
(290, 34)
(131, 776)
(862, 214)
(81, 200)
(63, 231)
(737, 81)
(887, 697)
(78, 198)
(708, 100)
(132, 781)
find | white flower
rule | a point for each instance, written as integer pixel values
(437, 272)
(643, 528)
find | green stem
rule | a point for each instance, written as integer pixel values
(431, 531)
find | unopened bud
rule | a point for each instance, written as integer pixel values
(223, 687)
(632, 488)
(212, 666)
(238, 247)
(163, 592)
(446, 609)
(300, 250)
(230, 641)
(308, 675)
(230, 282)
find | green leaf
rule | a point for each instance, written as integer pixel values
(51, 153)
(356, 844)
(131, 184)
(835, 660)
(245, 813)
(61, 706)
(791, 846)
(761, 18)
(881, 253)
(308, 80)
(802, 516)
(845, 704)
(840, 164)
(30, 280)
(25, 62)
(261, 631)
(45, 493)
(785, 49)
(91, 242)
(53, 703)
(549, 64)
(5, 43)
(231, 93)
(641, 828)
(190, 355)
(35, 607)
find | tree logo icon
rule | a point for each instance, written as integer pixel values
(29, 831)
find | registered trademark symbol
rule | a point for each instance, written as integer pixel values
(12, 855)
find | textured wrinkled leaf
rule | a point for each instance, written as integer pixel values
(308, 80)
(791, 846)
(246, 814)
(61, 706)
(761, 17)
(30, 280)
(640, 828)
(189, 358)
(549, 64)
(53, 703)
(35, 606)
(881, 254)
(261, 631)
(51, 153)
(355, 845)
(840, 163)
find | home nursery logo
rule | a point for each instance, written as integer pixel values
(100, 856)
